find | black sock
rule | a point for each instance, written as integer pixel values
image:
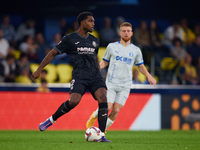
(102, 116)
(63, 109)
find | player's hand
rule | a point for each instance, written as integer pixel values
(35, 75)
(152, 80)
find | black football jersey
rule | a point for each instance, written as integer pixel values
(82, 52)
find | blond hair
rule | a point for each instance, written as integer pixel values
(126, 24)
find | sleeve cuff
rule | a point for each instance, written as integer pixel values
(57, 50)
(139, 64)
(105, 60)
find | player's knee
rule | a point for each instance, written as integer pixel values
(116, 110)
(73, 103)
(74, 99)
(102, 99)
(109, 107)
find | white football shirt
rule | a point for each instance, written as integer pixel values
(121, 60)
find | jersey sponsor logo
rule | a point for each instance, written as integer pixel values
(116, 52)
(77, 42)
(85, 50)
(119, 58)
(124, 59)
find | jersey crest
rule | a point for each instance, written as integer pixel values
(94, 43)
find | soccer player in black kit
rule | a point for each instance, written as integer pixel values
(82, 48)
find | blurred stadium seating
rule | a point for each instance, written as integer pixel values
(64, 73)
(101, 53)
(51, 71)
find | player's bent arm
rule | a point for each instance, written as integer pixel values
(44, 62)
(103, 64)
(144, 71)
(47, 59)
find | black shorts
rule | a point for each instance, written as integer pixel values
(81, 85)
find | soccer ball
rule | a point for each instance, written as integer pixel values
(93, 134)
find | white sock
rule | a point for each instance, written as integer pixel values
(109, 122)
(102, 134)
(51, 119)
(96, 113)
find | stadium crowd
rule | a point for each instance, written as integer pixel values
(175, 51)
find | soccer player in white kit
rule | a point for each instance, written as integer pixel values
(121, 56)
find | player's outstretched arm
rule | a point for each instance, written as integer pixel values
(44, 62)
(144, 71)
(103, 64)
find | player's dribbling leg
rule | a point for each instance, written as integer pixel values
(90, 122)
(100, 95)
(102, 119)
(102, 116)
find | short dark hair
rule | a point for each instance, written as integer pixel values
(176, 40)
(43, 81)
(83, 16)
(23, 55)
(44, 71)
(10, 56)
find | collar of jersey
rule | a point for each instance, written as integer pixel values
(119, 42)
(82, 36)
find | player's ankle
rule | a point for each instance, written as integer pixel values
(51, 119)
(102, 133)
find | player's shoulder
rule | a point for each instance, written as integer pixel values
(68, 36)
(71, 35)
(134, 46)
(113, 44)
(92, 37)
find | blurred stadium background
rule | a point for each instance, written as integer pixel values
(148, 108)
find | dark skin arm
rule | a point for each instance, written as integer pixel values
(45, 61)
(98, 62)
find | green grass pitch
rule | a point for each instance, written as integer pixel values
(121, 140)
